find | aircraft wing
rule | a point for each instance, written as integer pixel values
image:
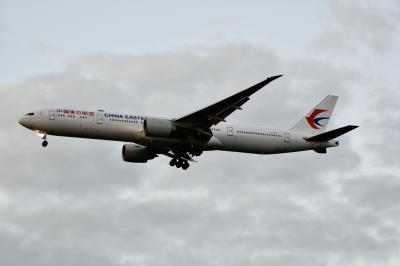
(217, 112)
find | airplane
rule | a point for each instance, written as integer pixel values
(189, 136)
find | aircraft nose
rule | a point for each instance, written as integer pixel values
(23, 121)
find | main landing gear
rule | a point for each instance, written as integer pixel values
(195, 151)
(45, 142)
(179, 163)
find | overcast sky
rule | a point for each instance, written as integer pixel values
(77, 203)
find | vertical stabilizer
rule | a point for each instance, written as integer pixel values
(316, 121)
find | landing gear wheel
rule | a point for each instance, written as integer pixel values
(185, 165)
(179, 164)
(172, 162)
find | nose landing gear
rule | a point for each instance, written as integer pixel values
(45, 142)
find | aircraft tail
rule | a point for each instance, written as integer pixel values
(316, 121)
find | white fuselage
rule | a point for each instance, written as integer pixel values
(129, 128)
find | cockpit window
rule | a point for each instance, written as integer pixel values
(30, 114)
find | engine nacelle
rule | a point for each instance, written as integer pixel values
(136, 154)
(156, 127)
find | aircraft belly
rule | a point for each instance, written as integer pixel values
(76, 128)
(260, 145)
(62, 128)
(163, 143)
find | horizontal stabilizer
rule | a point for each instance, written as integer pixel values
(326, 136)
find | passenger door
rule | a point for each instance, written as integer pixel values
(100, 118)
(52, 115)
(229, 140)
(286, 137)
(229, 131)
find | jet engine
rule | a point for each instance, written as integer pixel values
(136, 154)
(156, 127)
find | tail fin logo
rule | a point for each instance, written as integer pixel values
(314, 121)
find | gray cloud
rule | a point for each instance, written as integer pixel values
(354, 26)
(77, 203)
(382, 126)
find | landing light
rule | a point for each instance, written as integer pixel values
(40, 134)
